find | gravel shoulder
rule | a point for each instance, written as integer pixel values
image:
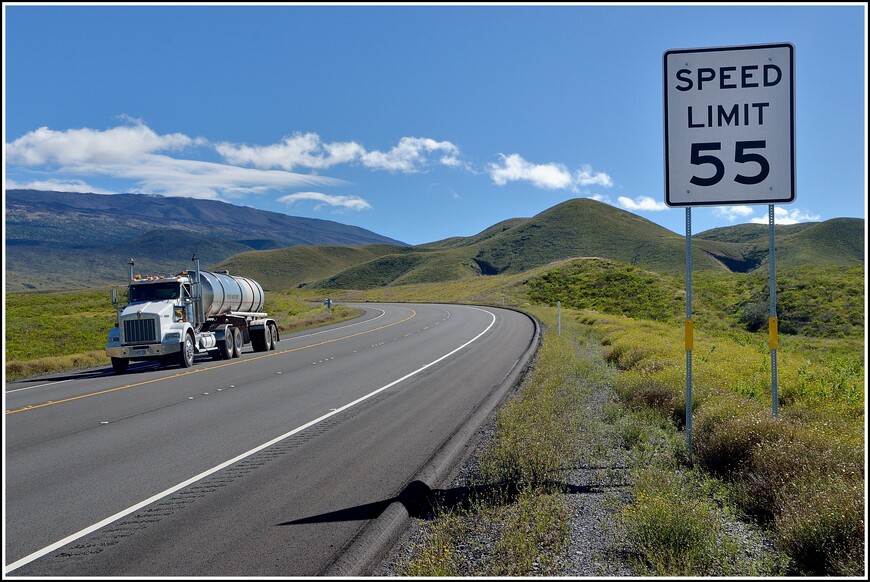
(594, 491)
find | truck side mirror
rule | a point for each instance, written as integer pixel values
(114, 297)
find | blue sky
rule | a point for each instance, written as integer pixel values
(416, 122)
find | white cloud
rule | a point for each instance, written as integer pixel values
(300, 150)
(134, 152)
(586, 177)
(552, 176)
(783, 216)
(76, 146)
(159, 174)
(516, 169)
(643, 203)
(56, 186)
(412, 154)
(733, 213)
(351, 202)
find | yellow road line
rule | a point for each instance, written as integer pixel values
(198, 370)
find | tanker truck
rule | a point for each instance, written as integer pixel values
(170, 319)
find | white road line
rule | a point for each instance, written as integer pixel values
(38, 386)
(338, 328)
(124, 513)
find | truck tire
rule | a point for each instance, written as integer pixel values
(273, 332)
(226, 347)
(237, 339)
(185, 356)
(260, 339)
(120, 365)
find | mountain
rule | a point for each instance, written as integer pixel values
(576, 228)
(57, 240)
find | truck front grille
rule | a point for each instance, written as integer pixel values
(140, 331)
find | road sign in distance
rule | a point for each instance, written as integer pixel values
(729, 125)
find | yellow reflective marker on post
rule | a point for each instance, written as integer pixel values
(690, 334)
(773, 333)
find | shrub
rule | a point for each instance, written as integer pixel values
(821, 527)
(727, 431)
(668, 529)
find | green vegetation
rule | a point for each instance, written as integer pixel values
(783, 473)
(521, 507)
(796, 481)
(293, 267)
(56, 331)
(609, 287)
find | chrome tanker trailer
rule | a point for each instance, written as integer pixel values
(171, 319)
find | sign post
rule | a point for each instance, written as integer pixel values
(729, 139)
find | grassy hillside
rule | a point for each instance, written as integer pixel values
(572, 229)
(746, 247)
(749, 234)
(609, 287)
(586, 228)
(292, 267)
(576, 228)
(467, 241)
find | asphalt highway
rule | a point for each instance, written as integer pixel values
(274, 464)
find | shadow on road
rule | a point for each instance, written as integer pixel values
(423, 502)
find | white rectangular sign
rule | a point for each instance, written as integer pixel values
(729, 125)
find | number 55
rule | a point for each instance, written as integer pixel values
(740, 156)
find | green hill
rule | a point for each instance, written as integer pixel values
(746, 247)
(297, 266)
(586, 228)
(576, 228)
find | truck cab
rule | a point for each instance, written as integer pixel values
(154, 323)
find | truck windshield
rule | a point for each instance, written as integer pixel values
(154, 292)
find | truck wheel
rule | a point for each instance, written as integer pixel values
(273, 331)
(185, 356)
(226, 347)
(120, 365)
(237, 339)
(260, 339)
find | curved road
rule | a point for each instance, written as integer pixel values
(268, 465)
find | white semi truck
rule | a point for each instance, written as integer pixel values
(171, 319)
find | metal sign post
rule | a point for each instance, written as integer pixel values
(689, 331)
(772, 324)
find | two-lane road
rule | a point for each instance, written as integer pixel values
(267, 465)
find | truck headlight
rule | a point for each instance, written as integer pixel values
(173, 335)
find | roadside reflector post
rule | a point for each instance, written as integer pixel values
(772, 323)
(690, 331)
(559, 317)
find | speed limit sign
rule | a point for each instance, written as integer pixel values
(729, 125)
